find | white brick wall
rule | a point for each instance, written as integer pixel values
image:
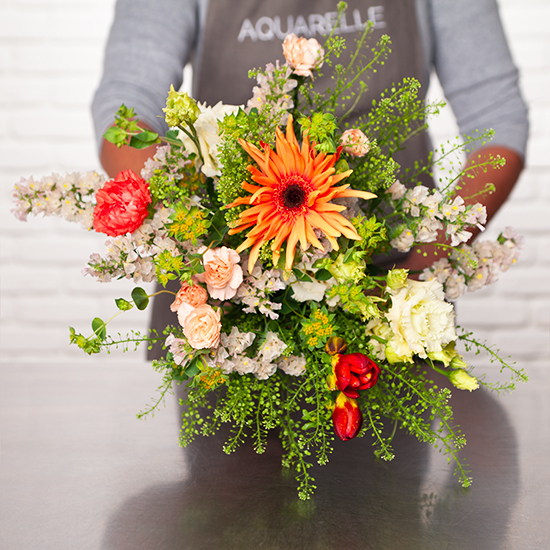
(50, 58)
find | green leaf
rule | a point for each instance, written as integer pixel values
(192, 369)
(140, 298)
(303, 277)
(323, 275)
(172, 138)
(98, 326)
(122, 304)
(137, 143)
(146, 135)
(218, 229)
(115, 135)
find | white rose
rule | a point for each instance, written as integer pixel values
(420, 319)
(206, 126)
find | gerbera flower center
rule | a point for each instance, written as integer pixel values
(294, 196)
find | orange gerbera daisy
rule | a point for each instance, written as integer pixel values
(292, 198)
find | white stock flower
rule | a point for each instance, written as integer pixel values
(397, 190)
(272, 347)
(420, 319)
(404, 241)
(414, 198)
(293, 365)
(236, 341)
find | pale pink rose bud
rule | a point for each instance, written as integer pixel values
(194, 295)
(355, 143)
(222, 273)
(202, 327)
(303, 55)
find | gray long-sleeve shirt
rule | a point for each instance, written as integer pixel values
(463, 41)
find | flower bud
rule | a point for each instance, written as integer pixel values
(462, 380)
(180, 109)
(397, 278)
(348, 272)
(458, 362)
(346, 417)
(355, 143)
(336, 345)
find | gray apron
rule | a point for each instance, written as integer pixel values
(245, 34)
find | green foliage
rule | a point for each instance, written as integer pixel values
(127, 131)
(140, 297)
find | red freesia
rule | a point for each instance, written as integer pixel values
(355, 371)
(346, 417)
(121, 204)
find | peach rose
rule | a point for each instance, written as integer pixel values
(194, 295)
(202, 327)
(222, 273)
(355, 143)
(302, 54)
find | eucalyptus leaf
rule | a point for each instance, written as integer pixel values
(140, 298)
(98, 326)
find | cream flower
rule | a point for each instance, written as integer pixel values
(420, 319)
(202, 327)
(303, 55)
(222, 273)
(206, 127)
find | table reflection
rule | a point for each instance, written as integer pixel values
(246, 500)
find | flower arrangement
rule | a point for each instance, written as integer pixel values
(271, 218)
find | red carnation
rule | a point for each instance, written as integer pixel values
(121, 204)
(355, 371)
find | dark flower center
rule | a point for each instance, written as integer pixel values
(294, 196)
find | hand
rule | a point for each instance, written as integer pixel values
(503, 179)
(114, 159)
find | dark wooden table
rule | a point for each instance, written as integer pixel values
(78, 471)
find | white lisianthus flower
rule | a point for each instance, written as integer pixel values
(207, 129)
(305, 292)
(420, 319)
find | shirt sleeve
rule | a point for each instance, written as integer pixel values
(149, 44)
(475, 67)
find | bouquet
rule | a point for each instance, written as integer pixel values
(272, 220)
